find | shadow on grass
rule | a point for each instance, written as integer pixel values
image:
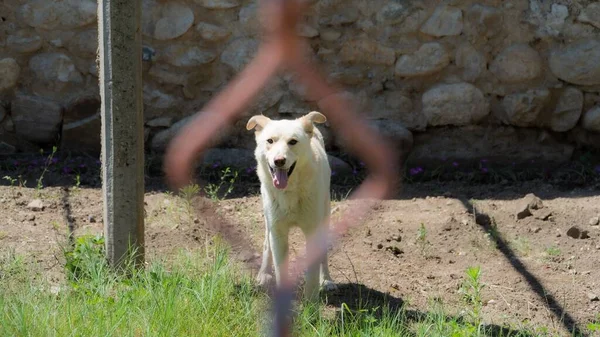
(359, 298)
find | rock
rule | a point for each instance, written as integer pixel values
(445, 21)
(330, 35)
(218, 4)
(307, 31)
(395, 250)
(36, 205)
(36, 119)
(236, 159)
(517, 63)
(522, 109)
(591, 119)
(594, 221)
(212, 32)
(249, 20)
(367, 51)
(3, 113)
(58, 15)
(577, 62)
(528, 203)
(165, 74)
(392, 13)
(7, 149)
(338, 166)
(85, 43)
(568, 110)
(292, 105)
(399, 136)
(593, 297)
(54, 70)
(268, 98)
(430, 58)
(591, 15)
(500, 144)
(395, 105)
(454, 104)
(158, 99)
(161, 122)
(576, 233)
(239, 52)
(543, 215)
(9, 73)
(411, 24)
(82, 125)
(554, 22)
(470, 61)
(24, 41)
(483, 20)
(188, 55)
(340, 16)
(175, 20)
(160, 141)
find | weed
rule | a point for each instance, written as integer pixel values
(553, 251)
(422, 238)
(340, 195)
(40, 180)
(11, 265)
(77, 181)
(11, 180)
(227, 176)
(471, 291)
(522, 245)
(22, 182)
(82, 260)
(594, 326)
(55, 225)
(189, 192)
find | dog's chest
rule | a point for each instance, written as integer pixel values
(296, 208)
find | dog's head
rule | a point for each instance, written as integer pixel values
(283, 143)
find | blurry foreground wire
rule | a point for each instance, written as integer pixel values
(283, 49)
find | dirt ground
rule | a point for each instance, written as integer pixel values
(537, 270)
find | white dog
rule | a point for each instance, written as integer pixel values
(295, 178)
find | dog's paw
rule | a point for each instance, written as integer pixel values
(328, 285)
(264, 279)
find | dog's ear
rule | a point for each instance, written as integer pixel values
(257, 122)
(310, 118)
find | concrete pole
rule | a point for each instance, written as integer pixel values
(120, 57)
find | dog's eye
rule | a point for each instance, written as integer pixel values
(270, 141)
(293, 142)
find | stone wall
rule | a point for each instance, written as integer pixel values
(462, 78)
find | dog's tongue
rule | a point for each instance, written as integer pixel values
(280, 178)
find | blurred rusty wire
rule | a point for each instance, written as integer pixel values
(283, 49)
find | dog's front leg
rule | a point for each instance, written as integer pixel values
(325, 278)
(264, 274)
(278, 236)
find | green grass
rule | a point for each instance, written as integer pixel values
(194, 294)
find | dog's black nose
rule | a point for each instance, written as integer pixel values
(279, 162)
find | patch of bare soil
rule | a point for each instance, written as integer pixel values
(540, 258)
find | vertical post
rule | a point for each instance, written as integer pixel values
(120, 48)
